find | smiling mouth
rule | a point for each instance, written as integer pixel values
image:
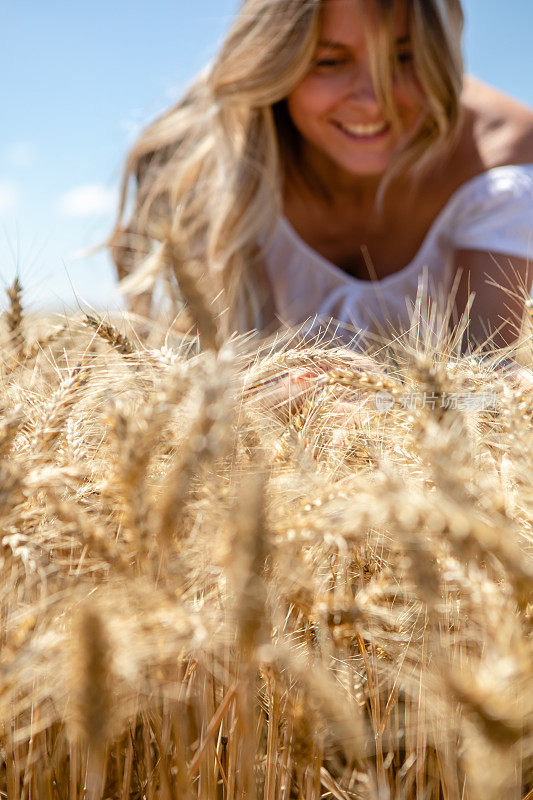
(368, 131)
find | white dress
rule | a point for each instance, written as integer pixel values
(492, 212)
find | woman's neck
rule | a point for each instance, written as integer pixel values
(335, 188)
(312, 183)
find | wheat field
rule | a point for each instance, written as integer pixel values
(208, 594)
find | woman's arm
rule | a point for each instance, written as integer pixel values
(501, 284)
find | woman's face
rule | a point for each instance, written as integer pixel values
(335, 107)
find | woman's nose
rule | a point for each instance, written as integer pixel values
(362, 86)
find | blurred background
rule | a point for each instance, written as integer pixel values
(82, 79)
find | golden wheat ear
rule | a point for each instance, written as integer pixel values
(109, 333)
(14, 317)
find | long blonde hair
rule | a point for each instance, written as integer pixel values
(210, 170)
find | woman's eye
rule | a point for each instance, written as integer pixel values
(328, 63)
(404, 58)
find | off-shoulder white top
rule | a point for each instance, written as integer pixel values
(492, 212)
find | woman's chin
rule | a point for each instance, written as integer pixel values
(364, 168)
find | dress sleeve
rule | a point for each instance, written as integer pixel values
(494, 213)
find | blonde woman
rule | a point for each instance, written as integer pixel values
(334, 162)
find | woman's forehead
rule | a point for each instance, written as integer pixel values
(349, 19)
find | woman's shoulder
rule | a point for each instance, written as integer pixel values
(499, 129)
(492, 205)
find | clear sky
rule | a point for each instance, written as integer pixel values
(80, 79)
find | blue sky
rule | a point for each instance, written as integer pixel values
(80, 79)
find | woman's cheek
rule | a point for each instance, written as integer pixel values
(410, 103)
(316, 95)
(409, 93)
